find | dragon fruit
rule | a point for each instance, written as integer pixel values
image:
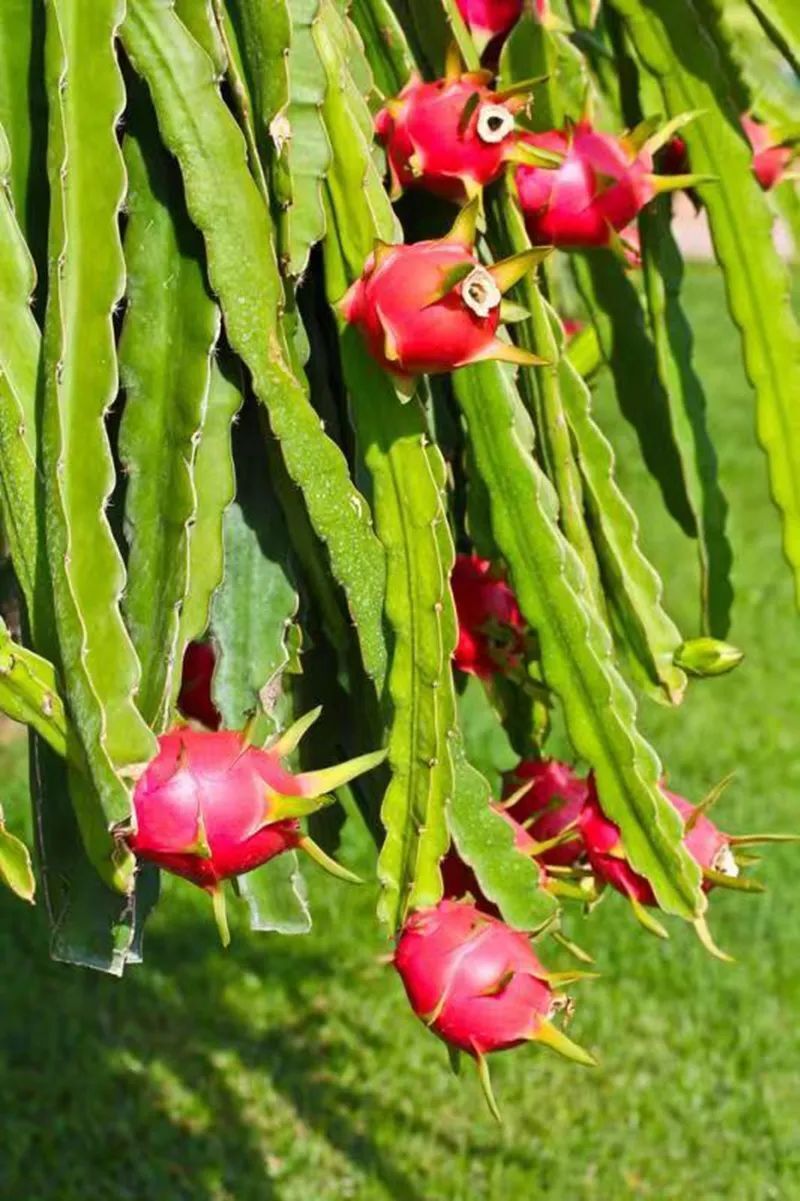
(209, 806)
(490, 624)
(602, 183)
(770, 159)
(707, 845)
(478, 984)
(432, 307)
(716, 853)
(492, 20)
(194, 699)
(451, 137)
(551, 804)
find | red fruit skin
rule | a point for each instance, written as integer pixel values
(486, 607)
(476, 982)
(599, 187)
(491, 18)
(202, 774)
(572, 326)
(392, 301)
(491, 21)
(705, 843)
(769, 161)
(194, 699)
(559, 795)
(425, 121)
(459, 879)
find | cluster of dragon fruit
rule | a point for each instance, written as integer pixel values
(211, 806)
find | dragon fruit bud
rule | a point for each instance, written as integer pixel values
(451, 137)
(551, 805)
(194, 699)
(478, 984)
(432, 307)
(707, 657)
(770, 159)
(209, 806)
(602, 183)
(490, 21)
(490, 624)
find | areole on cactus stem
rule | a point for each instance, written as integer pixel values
(210, 806)
(432, 307)
(479, 986)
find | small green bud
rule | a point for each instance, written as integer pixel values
(708, 657)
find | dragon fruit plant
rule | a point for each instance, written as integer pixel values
(291, 434)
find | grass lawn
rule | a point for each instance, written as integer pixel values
(291, 1069)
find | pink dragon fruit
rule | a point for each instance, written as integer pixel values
(209, 806)
(194, 699)
(490, 21)
(432, 307)
(602, 183)
(770, 159)
(551, 804)
(707, 845)
(490, 625)
(451, 137)
(478, 984)
(716, 853)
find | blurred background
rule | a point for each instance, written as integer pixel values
(290, 1069)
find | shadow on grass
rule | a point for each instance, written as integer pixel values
(152, 1087)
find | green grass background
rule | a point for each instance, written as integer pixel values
(291, 1069)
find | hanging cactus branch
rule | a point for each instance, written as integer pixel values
(300, 463)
